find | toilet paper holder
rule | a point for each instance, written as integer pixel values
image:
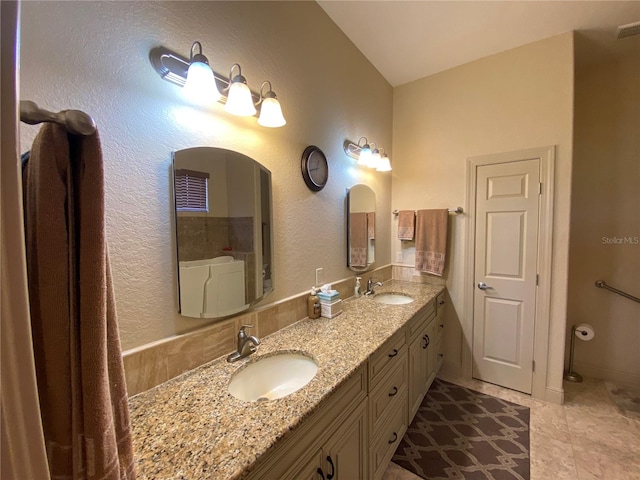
(585, 333)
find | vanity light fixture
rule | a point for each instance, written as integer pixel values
(233, 92)
(365, 156)
(270, 110)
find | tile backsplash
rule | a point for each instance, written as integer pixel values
(155, 363)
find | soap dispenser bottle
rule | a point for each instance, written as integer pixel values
(357, 292)
(313, 304)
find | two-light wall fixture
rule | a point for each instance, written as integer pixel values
(203, 85)
(368, 154)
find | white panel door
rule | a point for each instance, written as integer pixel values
(506, 249)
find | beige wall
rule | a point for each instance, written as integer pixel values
(94, 56)
(605, 222)
(514, 100)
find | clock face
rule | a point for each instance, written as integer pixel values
(315, 170)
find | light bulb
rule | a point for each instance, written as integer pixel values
(365, 155)
(239, 100)
(385, 164)
(201, 85)
(271, 112)
(374, 161)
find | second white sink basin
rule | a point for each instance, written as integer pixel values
(273, 377)
(392, 298)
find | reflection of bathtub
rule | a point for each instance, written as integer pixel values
(212, 287)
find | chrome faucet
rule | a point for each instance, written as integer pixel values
(371, 286)
(246, 345)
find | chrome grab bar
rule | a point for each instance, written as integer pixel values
(602, 284)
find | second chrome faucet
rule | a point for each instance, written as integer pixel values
(371, 286)
(247, 344)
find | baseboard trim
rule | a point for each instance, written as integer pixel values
(616, 376)
(553, 395)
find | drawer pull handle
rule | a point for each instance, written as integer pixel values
(393, 440)
(395, 391)
(441, 302)
(394, 353)
(321, 473)
(426, 341)
(333, 469)
(441, 355)
(442, 325)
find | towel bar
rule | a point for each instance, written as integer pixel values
(458, 210)
(75, 121)
(602, 284)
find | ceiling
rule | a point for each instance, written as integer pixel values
(408, 40)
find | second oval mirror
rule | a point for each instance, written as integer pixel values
(223, 231)
(361, 228)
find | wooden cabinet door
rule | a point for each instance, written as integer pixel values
(345, 453)
(418, 358)
(309, 471)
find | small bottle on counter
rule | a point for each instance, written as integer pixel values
(357, 291)
(313, 304)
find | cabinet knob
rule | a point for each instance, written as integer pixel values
(395, 437)
(441, 302)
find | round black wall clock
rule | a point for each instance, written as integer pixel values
(315, 170)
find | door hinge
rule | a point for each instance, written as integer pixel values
(539, 188)
(533, 365)
(537, 279)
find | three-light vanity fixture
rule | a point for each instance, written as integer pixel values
(368, 154)
(203, 85)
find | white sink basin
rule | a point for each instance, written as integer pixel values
(273, 377)
(392, 298)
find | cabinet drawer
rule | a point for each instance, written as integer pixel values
(416, 325)
(388, 393)
(384, 444)
(387, 356)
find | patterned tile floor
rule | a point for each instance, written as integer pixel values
(587, 438)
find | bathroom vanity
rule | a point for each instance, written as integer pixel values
(375, 363)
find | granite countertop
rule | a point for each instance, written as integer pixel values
(191, 427)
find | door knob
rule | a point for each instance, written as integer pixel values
(484, 286)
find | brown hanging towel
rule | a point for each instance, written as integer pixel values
(431, 240)
(358, 239)
(81, 381)
(406, 224)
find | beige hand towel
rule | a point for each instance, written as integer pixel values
(358, 239)
(431, 240)
(81, 382)
(406, 224)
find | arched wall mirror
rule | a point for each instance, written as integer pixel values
(224, 231)
(361, 228)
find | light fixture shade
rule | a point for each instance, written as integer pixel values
(201, 85)
(239, 100)
(365, 155)
(271, 113)
(374, 161)
(385, 164)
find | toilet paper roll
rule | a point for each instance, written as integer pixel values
(585, 332)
